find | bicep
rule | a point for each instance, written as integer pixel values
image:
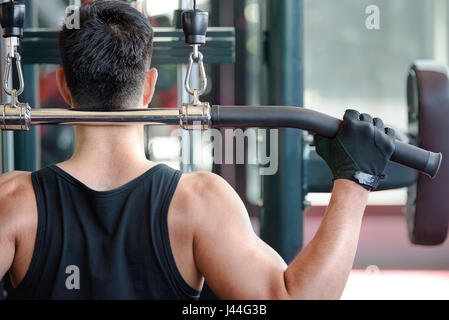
(236, 263)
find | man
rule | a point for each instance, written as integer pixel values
(109, 224)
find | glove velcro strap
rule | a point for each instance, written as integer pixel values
(368, 181)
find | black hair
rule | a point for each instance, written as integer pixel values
(107, 58)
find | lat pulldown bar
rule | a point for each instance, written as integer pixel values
(203, 117)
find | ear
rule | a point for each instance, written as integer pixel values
(62, 86)
(150, 86)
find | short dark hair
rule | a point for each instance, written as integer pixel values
(106, 59)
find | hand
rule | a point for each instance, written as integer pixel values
(360, 151)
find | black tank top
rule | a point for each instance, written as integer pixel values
(103, 245)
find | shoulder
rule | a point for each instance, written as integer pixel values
(13, 181)
(204, 196)
(15, 185)
(17, 200)
(204, 181)
(200, 188)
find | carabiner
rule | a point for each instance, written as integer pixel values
(13, 93)
(196, 92)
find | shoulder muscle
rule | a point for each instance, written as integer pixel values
(16, 204)
(212, 200)
(17, 201)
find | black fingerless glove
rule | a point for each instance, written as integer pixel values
(360, 151)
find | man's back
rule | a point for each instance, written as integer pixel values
(97, 244)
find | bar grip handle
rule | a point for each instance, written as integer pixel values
(319, 123)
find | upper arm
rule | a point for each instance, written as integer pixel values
(14, 186)
(236, 263)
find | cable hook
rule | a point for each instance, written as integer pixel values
(196, 93)
(13, 93)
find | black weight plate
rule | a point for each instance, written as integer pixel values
(428, 200)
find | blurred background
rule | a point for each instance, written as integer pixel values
(345, 65)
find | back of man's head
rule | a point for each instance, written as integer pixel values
(106, 59)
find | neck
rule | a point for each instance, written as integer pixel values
(107, 157)
(109, 146)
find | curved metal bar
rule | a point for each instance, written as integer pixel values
(318, 123)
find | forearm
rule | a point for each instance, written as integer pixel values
(322, 268)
